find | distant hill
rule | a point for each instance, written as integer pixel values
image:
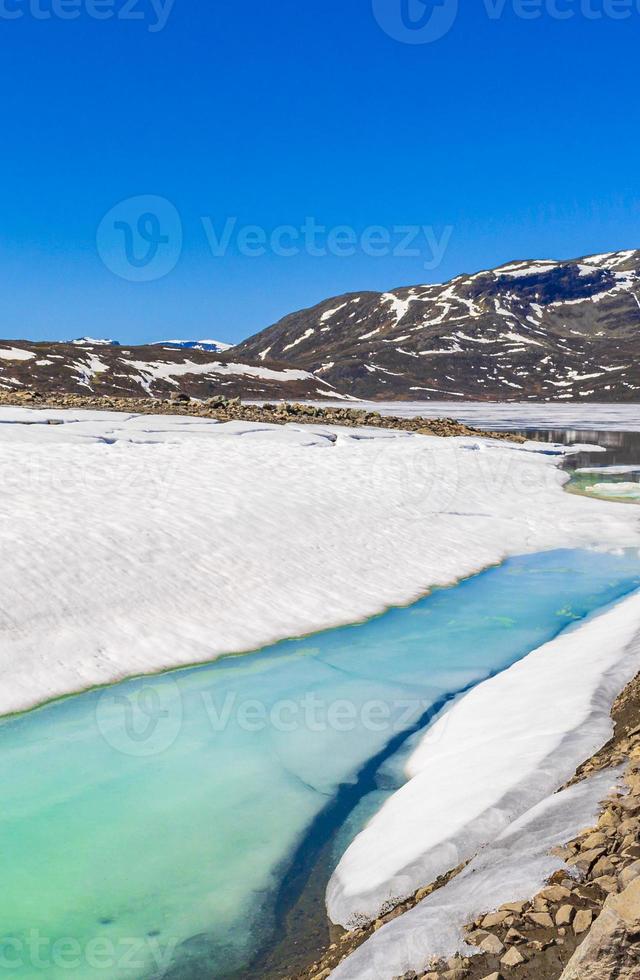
(527, 330)
(106, 368)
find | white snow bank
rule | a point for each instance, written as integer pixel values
(136, 543)
(512, 868)
(499, 751)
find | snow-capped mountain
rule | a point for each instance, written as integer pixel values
(214, 346)
(95, 342)
(93, 367)
(526, 330)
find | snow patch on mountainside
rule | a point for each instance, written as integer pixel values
(15, 354)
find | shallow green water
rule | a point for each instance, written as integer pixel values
(608, 484)
(145, 829)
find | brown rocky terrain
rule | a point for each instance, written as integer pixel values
(225, 409)
(585, 924)
(87, 367)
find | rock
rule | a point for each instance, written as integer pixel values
(538, 947)
(512, 958)
(611, 951)
(585, 860)
(516, 907)
(514, 937)
(540, 904)
(564, 915)
(493, 976)
(608, 883)
(390, 916)
(492, 945)
(593, 841)
(630, 873)
(555, 893)
(582, 921)
(590, 893)
(542, 919)
(604, 866)
(494, 919)
(608, 820)
(629, 826)
(422, 893)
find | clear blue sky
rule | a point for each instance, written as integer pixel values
(519, 135)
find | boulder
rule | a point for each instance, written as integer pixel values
(564, 915)
(582, 921)
(603, 867)
(513, 958)
(555, 893)
(494, 919)
(630, 873)
(611, 951)
(542, 919)
(492, 945)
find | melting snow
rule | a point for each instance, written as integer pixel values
(15, 354)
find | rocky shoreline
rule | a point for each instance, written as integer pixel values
(223, 409)
(585, 924)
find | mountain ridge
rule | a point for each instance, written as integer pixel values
(158, 371)
(528, 329)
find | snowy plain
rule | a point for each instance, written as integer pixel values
(132, 544)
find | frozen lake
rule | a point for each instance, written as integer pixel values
(514, 415)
